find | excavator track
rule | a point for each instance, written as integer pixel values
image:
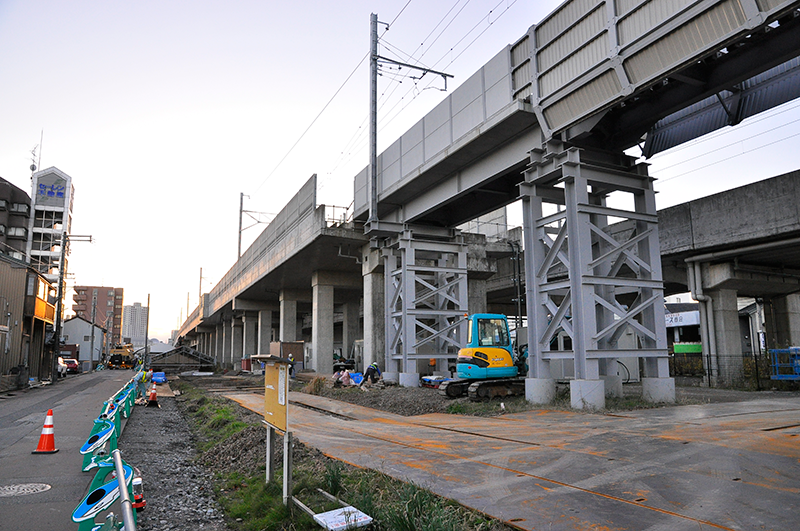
(454, 388)
(485, 390)
(482, 390)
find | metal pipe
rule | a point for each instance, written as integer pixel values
(706, 315)
(741, 250)
(124, 496)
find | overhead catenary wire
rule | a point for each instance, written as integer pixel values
(667, 179)
(324, 107)
(359, 137)
(360, 141)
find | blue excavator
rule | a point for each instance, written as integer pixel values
(489, 365)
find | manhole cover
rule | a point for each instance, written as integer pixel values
(23, 489)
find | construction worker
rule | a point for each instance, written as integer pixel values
(143, 378)
(342, 378)
(291, 366)
(373, 373)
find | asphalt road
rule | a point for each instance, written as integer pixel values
(730, 466)
(76, 401)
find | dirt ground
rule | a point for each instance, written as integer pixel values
(408, 401)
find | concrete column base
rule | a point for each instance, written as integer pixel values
(540, 390)
(658, 390)
(613, 385)
(391, 376)
(587, 394)
(409, 379)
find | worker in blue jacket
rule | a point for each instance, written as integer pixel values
(373, 374)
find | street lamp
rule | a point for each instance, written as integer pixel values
(65, 238)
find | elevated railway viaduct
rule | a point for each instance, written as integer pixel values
(546, 121)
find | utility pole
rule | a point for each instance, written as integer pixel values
(241, 208)
(65, 238)
(147, 336)
(200, 290)
(374, 58)
(373, 119)
(94, 316)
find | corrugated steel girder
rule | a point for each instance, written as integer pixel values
(759, 93)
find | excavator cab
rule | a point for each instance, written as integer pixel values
(489, 352)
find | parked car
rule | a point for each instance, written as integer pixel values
(61, 367)
(72, 365)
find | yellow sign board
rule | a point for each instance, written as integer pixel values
(276, 394)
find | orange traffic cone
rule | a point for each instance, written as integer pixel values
(47, 441)
(153, 400)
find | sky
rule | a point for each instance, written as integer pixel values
(164, 112)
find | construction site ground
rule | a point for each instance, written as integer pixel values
(728, 460)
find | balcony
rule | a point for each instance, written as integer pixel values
(45, 311)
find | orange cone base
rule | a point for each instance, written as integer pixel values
(37, 451)
(153, 400)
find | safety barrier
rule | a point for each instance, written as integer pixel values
(785, 363)
(100, 451)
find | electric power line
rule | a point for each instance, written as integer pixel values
(661, 181)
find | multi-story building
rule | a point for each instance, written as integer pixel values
(26, 310)
(105, 304)
(15, 213)
(52, 216)
(134, 324)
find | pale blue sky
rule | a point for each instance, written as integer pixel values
(164, 111)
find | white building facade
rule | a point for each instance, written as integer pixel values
(51, 201)
(134, 324)
(90, 339)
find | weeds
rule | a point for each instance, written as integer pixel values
(333, 478)
(315, 386)
(252, 505)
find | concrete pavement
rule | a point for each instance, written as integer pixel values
(715, 466)
(76, 401)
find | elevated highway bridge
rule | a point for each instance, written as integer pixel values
(545, 121)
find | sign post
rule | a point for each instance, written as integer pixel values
(276, 417)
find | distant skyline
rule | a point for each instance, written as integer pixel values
(163, 112)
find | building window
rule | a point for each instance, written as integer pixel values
(20, 208)
(18, 232)
(87, 338)
(16, 255)
(3, 204)
(48, 219)
(45, 242)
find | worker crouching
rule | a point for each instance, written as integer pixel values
(371, 375)
(342, 378)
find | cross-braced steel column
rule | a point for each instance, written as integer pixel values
(426, 298)
(595, 271)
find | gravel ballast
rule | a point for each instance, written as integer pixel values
(178, 490)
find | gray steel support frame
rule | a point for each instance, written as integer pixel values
(583, 281)
(426, 299)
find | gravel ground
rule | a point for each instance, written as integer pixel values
(179, 491)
